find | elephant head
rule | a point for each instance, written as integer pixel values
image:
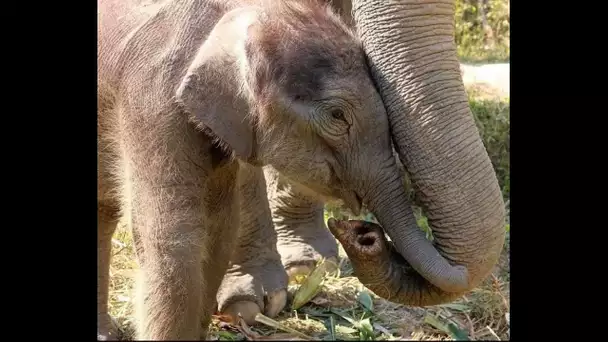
(290, 87)
(411, 51)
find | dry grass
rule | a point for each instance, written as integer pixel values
(480, 315)
(122, 275)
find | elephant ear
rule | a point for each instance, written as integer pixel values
(211, 90)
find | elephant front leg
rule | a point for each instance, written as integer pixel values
(303, 238)
(184, 214)
(170, 226)
(256, 280)
(187, 234)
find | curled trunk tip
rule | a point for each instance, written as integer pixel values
(380, 268)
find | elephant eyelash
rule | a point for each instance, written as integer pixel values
(338, 114)
(342, 114)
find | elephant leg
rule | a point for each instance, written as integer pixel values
(297, 214)
(256, 280)
(183, 262)
(183, 211)
(106, 225)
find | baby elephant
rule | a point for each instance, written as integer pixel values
(191, 90)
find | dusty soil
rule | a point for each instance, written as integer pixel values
(494, 76)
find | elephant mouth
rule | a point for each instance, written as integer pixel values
(352, 200)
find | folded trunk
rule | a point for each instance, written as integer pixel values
(412, 55)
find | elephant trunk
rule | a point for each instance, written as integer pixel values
(395, 272)
(412, 55)
(382, 269)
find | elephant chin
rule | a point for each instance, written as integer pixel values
(352, 201)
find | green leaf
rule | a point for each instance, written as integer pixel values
(457, 307)
(366, 301)
(457, 334)
(370, 217)
(448, 328)
(366, 326)
(330, 325)
(432, 320)
(226, 336)
(345, 329)
(309, 288)
(344, 315)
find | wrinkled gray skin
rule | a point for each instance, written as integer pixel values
(412, 54)
(477, 243)
(256, 279)
(181, 193)
(282, 234)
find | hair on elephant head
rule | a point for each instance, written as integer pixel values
(287, 85)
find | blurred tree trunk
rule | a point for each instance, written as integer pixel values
(489, 33)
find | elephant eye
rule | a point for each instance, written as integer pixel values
(338, 114)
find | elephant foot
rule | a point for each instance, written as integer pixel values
(106, 329)
(252, 290)
(273, 304)
(303, 246)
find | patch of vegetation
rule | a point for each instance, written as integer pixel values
(343, 309)
(492, 116)
(483, 30)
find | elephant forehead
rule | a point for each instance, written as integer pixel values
(305, 45)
